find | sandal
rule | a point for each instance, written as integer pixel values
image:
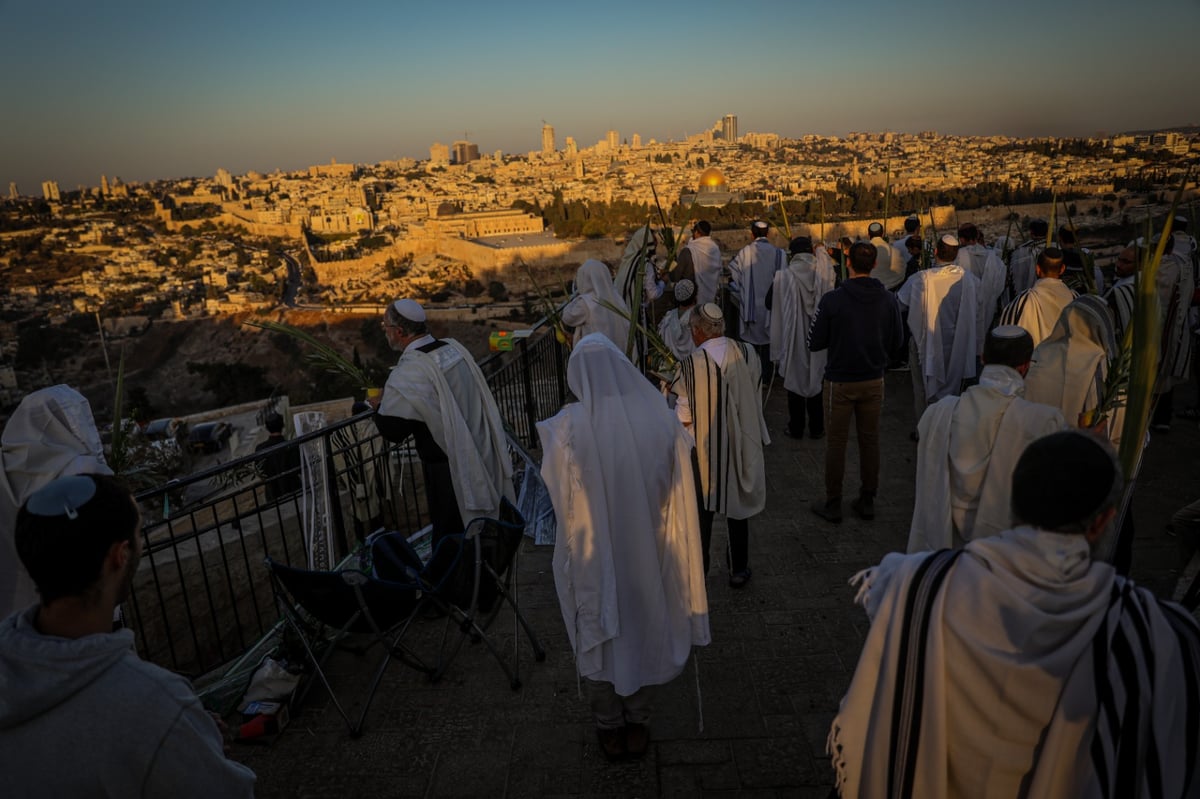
(739, 579)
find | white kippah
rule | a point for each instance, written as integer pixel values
(711, 311)
(410, 310)
(760, 225)
(874, 227)
(914, 217)
(1009, 332)
(950, 240)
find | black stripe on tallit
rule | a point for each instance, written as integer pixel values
(718, 432)
(1184, 627)
(1012, 313)
(910, 679)
(1107, 706)
(1150, 757)
(1125, 781)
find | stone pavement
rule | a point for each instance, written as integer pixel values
(764, 691)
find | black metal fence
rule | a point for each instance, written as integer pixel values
(201, 596)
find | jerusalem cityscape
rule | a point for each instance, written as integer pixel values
(394, 405)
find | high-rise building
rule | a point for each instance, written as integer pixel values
(547, 139)
(614, 141)
(13, 194)
(224, 178)
(465, 152)
(729, 128)
(439, 153)
(571, 147)
(104, 185)
(50, 191)
(636, 141)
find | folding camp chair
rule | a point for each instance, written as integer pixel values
(348, 602)
(469, 576)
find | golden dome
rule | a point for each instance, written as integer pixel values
(711, 179)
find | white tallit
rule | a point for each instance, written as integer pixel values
(588, 312)
(796, 292)
(718, 386)
(1030, 654)
(1022, 268)
(889, 264)
(751, 272)
(627, 562)
(1069, 367)
(675, 330)
(706, 264)
(969, 447)
(1038, 308)
(942, 311)
(445, 389)
(985, 264)
(1175, 284)
(51, 434)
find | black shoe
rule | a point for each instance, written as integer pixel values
(830, 511)
(637, 740)
(739, 579)
(612, 744)
(898, 366)
(864, 508)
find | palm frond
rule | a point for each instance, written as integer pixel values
(321, 355)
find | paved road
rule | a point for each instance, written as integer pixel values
(766, 689)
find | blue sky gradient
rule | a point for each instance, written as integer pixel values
(149, 90)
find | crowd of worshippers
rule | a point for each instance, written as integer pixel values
(1004, 658)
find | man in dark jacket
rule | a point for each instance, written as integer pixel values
(859, 323)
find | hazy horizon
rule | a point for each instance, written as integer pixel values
(149, 91)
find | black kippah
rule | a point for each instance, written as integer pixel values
(1062, 481)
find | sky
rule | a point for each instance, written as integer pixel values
(167, 89)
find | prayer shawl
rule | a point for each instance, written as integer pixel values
(941, 315)
(986, 265)
(628, 567)
(1120, 300)
(1017, 667)
(51, 434)
(445, 389)
(1038, 309)
(1069, 367)
(969, 447)
(751, 273)
(795, 294)
(1175, 285)
(634, 266)
(1022, 268)
(588, 312)
(675, 330)
(728, 427)
(706, 264)
(889, 264)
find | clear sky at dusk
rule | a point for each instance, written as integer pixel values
(163, 89)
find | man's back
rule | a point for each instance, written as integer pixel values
(859, 323)
(87, 717)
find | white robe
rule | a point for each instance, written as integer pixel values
(1022, 676)
(51, 434)
(706, 264)
(628, 567)
(1175, 285)
(588, 312)
(446, 390)
(751, 272)
(675, 330)
(985, 264)
(969, 447)
(1038, 309)
(889, 264)
(1022, 268)
(942, 309)
(797, 290)
(717, 394)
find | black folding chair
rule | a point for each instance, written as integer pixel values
(470, 577)
(323, 607)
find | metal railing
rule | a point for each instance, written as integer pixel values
(201, 596)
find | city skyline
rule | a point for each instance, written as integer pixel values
(146, 91)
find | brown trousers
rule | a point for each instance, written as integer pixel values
(864, 402)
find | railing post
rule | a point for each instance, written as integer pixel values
(530, 405)
(334, 497)
(560, 369)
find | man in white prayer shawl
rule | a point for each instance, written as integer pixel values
(589, 311)
(627, 561)
(1175, 282)
(942, 310)
(637, 263)
(1020, 665)
(1037, 309)
(889, 263)
(717, 398)
(700, 261)
(675, 328)
(1120, 297)
(51, 434)
(970, 445)
(751, 272)
(985, 264)
(1022, 261)
(437, 394)
(793, 299)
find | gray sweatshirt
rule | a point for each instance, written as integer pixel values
(87, 717)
